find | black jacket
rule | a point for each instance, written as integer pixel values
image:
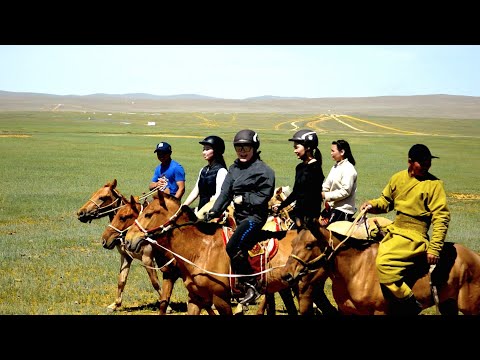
(307, 190)
(255, 181)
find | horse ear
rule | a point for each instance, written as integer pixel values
(279, 190)
(114, 184)
(132, 200)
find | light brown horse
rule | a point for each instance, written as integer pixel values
(108, 200)
(200, 251)
(105, 201)
(150, 257)
(350, 263)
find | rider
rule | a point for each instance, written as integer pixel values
(419, 199)
(211, 176)
(250, 184)
(307, 189)
(340, 186)
(169, 175)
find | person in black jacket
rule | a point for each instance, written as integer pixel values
(250, 184)
(307, 190)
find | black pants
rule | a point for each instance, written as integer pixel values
(244, 237)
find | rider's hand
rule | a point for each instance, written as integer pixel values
(238, 199)
(366, 206)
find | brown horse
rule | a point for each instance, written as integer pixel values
(307, 294)
(200, 251)
(108, 200)
(113, 236)
(105, 201)
(350, 263)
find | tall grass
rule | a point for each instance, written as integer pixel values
(51, 163)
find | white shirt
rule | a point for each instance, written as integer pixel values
(340, 187)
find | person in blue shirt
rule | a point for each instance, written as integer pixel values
(169, 175)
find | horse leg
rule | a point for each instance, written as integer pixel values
(449, 307)
(305, 299)
(169, 277)
(267, 303)
(222, 305)
(125, 262)
(287, 298)
(149, 265)
(322, 302)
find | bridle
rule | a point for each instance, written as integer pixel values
(330, 250)
(101, 211)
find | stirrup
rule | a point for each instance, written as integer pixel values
(251, 295)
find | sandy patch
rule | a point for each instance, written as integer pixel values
(14, 136)
(465, 196)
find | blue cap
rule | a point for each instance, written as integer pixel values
(163, 147)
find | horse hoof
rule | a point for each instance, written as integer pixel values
(111, 308)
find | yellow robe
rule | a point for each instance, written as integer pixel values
(419, 205)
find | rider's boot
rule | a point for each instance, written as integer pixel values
(252, 293)
(248, 284)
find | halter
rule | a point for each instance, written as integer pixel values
(329, 252)
(164, 228)
(112, 207)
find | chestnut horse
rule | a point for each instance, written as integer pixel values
(108, 200)
(307, 294)
(350, 263)
(105, 201)
(200, 251)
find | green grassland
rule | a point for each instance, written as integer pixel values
(51, 162)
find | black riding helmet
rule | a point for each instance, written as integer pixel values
(216, 142)
(307, 138)
(247, 137)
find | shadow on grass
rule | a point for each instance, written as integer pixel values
(175, 306)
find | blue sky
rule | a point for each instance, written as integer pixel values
(242, 71)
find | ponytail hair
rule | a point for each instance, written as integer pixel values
(345, 146)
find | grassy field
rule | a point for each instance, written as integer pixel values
(51, 162)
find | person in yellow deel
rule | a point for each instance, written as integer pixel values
(420, 201)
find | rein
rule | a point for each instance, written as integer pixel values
(112, 207)
(331, 250)
(170, 225)
(155, 243)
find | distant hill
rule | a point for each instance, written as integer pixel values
(436, 106)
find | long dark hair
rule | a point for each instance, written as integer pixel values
(219, 159)
(344, 145)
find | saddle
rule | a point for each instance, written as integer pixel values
(364, 230)
(258, 256)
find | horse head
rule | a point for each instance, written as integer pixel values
(121, 222)
(283, 217)
(102, 203)
(310, 251)
(157, 218)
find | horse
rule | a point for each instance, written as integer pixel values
(201, 253)
(113, 236)
(452, 286)
(108, 200)
(105, 201)
(307, 295)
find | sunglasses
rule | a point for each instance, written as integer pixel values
(244, 148)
